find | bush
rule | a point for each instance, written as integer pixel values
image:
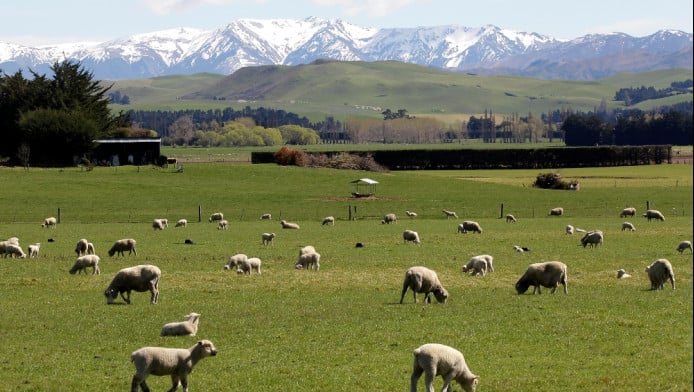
(551, 181)
(290, 156)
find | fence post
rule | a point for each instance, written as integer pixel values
(58, 214)
(501, 214)
(648, 205)
(199, 214)
(349, 212)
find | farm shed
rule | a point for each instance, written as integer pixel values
(364, 187)
(126, 151)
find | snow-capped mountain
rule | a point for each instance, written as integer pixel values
(251, 42)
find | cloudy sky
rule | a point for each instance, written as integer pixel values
(45, 22)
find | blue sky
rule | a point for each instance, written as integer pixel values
(43, 22)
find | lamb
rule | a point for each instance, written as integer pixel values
(510, 218)
(248, 265)
(235, 261)
(621, 274)
(308, 260)
(217, 216)
(435, 359)
(654, 214)
(521, 249)
(547, 274)
(81, 247)
(389, 218)
(121, 246)
(189, 327)
(34, 250)
(13, 250)
(684, 245)
(556, 211)
(469, 226)
(223, 224)
(592, 238)
(569, 229)
(139, 278)
(267, 238)
(450, 214)
(50, 222)
(660, 271)
(411, 214)
(182, 223)
(628, 226)
(266, 217)
(90, 248)
(158, 224)
(423, 280)
(328, 220)
(84, 262)
(4, 244)
(479, 265)
(289, 225)
(410, 235)
(629, 211)
(161, 361)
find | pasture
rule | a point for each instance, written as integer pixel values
(342, 328)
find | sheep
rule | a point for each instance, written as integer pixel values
(435, 359)
(289, 225)
(161, 361)
(50, 222)
(217, 216)
(308, 260)
(182, 223)
(248, 265)
(189, 327)
(411, 214)
(266, 217)
(621, 274)
(81, 247)
(34, 250)
(267, 238)
(479, 265)
(139, 278)
(654, 214)
(569, 229)
(84, 262)
(389, 218)
(628, 226)
(328, 220)
(556, 211)
(90, 248)
(121, 246)
(235, 261)
(158, 224)
(510, 218)
(306, 249)
(684, 245)
(223, 224)
(660, 271)
(469, 226)
(13, 250)
(410, 235)
(547, 274)
(629, 211)
(423, 280)
(521, 249)
(450, 214)
(592, 238)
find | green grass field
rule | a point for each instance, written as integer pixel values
(342, 328)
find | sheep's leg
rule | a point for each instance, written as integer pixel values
(429, 380)
(404, 291)
(139, 381)
(127, 300)
(416, 374)
(175, 381)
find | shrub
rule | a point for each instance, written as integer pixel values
(550, 181)
(289, 156)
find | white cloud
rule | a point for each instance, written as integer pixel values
(372, 8)
(166, 7)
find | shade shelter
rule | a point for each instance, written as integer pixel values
(364, 187)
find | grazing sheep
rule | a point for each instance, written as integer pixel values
(119, 247)
(621, 274)
(411, 214)
(235, 261)
(435, 359)
(34, 250)
(629, 211)
(389, 218)
(90, 249)
(223, 224)
(13, 250)
(469, 226)
(266, 217)
(548, 274)
(592, 238)
(684, 245)
(158, 224)
(188, 241)
(289, 225)
(182, 223)
(423, 280)
(479, 265)
(659, 272)
(248, 265)
(161, 361)
(267, 238)
(217, 216)
(188, 327)
(359, 245)
(628, 226)
(569, 229)
(409, 235)
(556, 211)
(521, 249)
(654, 214)
(328, 220)
(139, 278)
(50, 222)
(84, 262)
(510, 218)
(450, 214)
(308, 260)
(81, 247)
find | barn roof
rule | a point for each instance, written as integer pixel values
(365, 181)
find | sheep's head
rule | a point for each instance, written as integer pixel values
(441, 295)
(522, 286)
(468, 382)
(111, 295)
(208, 349)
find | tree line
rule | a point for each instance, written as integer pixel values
(633, 95)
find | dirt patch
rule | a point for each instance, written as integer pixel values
(355, 199)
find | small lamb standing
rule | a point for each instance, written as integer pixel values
(235, 261)
(119, 247)
(161, 361)
(267, 238)
(569, 229)
(34, 250)
(13, 250)
(559, 211)
(50, 222)
(266, 217)
(510, 219)
(684, 245)
(411, 236)
(629, 211)
(84, 262)
(188, 327)
(469, 226)
(81, 247)
(592, 238)
(223, 224)
(423, 280)
(328, 220)
(247, 266)
(158, 224)
(139, 278)
(181, 223)
(654, 214)
(628, 226)
(450, 214)
(659, 272)
(389, 218)
(308, 258)
(289, 225)
(217, 216)
(547, 274)
(480, 265)
(434, 359)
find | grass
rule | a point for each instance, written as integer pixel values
(342, 328)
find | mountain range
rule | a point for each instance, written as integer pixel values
(487, 50)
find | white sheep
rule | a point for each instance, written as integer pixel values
(215, 217)
(161, 361)
(90, 249)
(622, 274)
(592, 238)
(235, 260)
(182, 223)
(267, 238)
(328, 220)
(389, 218)
(81, 247)
(628, 226)
(659, 272)
(9, 241)
(450, 214)
(139, 278)
(549, 274)
(510, 218)
(50, 222)
(289, 225)
(189, 327)
(411, 214)
(84, 262)
(469, 226)
(308, 260)
(158, 224)
(629, 211)
(521, 249)
(558, 211)
(266, 217)
(119, 247)
(34, 249)
(434, 359)
(410, 236)
(684, 245)
(654, 214)
(479, 265)
(423, 280)
(248, 265)
(223, 224)
(569, 229)
(13, 250)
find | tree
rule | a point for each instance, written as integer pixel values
(182, 130)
